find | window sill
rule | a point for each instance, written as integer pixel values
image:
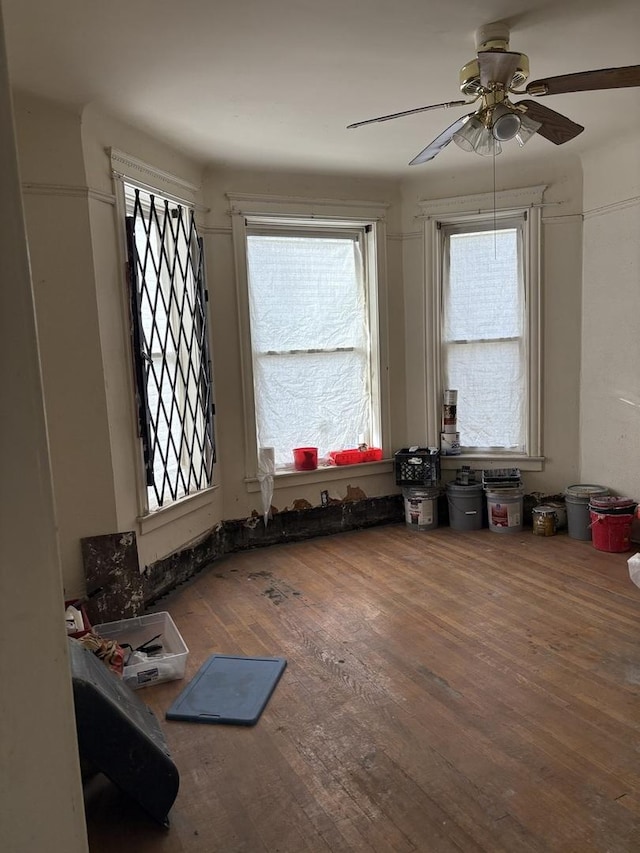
(493, 460)
(171, 513)
(325, 473)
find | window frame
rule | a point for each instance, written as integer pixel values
(179, 274)
(466, 211)
(489, 225)
(126, 169)
(324, 215)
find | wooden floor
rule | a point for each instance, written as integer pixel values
(444, 692)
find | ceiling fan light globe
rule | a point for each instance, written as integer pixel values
(469, 134)
(506, 126)
(528, 128)
(462, 142)
(488, 145)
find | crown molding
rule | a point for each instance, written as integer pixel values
(483, 202)
(260, 203)
(124, 165)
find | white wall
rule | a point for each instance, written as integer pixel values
(171, 529)
(58, 226)
(41, 806)
(561, 297)
(82, 319)
(610, 380)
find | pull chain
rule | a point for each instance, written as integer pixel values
(495, 238)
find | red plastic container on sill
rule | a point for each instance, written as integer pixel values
(305, 458)
(355, 456)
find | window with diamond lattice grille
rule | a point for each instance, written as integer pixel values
(170, 346)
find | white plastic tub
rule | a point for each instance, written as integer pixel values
(166, 665)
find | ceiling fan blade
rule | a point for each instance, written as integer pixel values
(439, 142)
(497, 66)
(555, 127)
(587, 81)
(444, 106)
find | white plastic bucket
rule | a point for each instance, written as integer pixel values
(421, 508)
(504, 510)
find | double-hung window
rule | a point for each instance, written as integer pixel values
(169, 331)
(311, 300)
(483, 332)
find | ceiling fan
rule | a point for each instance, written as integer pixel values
(497, 73)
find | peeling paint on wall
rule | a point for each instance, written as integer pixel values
(354, 493)
(111, 562)
(301, 503)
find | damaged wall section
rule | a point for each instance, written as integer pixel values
(119, 590)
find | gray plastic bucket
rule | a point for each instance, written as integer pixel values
(421, 508)
(465, 506)
(504, 510)
(577, 502)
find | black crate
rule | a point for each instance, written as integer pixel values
(417, 466)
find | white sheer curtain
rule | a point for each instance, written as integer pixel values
(310, 342)
(483, 335)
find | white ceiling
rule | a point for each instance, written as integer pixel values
(273, 83)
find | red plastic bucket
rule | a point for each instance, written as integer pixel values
(610, 532)
(305, 458)
(612, 505)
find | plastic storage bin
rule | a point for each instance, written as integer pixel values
(417, 466)
(167, 665)
(356, 456)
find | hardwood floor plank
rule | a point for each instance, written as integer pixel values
(444, 692)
